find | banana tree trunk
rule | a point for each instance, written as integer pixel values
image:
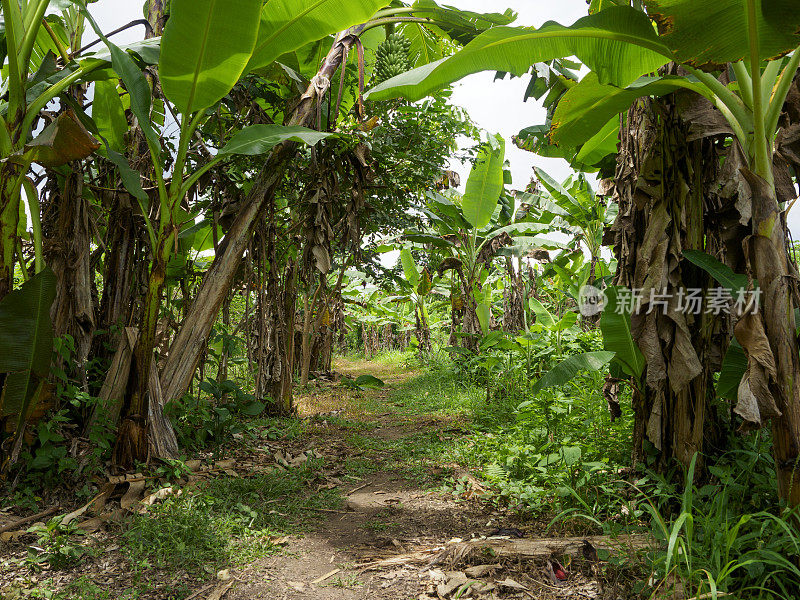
(309, 307)
(66, 246)
(423, 333)
(132, 443)
(513, 299)
(134, 439)
(9, 222)
(770, 262)
(666, 182)
(188, 345)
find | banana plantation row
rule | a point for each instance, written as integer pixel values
(271, 154)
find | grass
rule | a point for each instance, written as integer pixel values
(435, 392)
(226, 521)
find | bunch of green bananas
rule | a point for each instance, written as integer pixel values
(392, 57)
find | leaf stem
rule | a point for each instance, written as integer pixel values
(762, 163)
(30, 37)
(16, 91)
(36, 223)
(393, 20)
(781, 90)
(62, 50)
(745, 83)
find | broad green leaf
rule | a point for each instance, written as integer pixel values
(287, 25)
(409, 267)
(109, 115)
(619, 44)
(523, 245)
(484, 186)
(543, 316)
(205, 48)
(536, 139)
(425, 47)
(562, 198)
(724, 275)
(131, 179)
(26, 333)
(615, 323)
(600, 145)
(369, 381)
(148, 51)
(253, 409)
(484, 312)
(571, 454)
(15, 393)
(587, 107)
(462, 26)
(568, 320)
(426, 238)
(258, 139)
(567, 369)
(712, 33)
(733, 368)
(518, 228)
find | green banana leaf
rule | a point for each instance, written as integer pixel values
(135, 82)
(287, 25)
(26, 342)
(485, 184)
(109, 114)
(615, 323)
(409, 267)
(723, 274)
(710, 34)
(564, 371)
(205, 48)
(734, 366)
(258, 139)
(619, 44)
(543, 316)
(484, 313)
(586, 108)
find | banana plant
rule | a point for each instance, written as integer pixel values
(573, 208)
(419, 286)
(469, 232)
(620, 351)
(759, 40)
(40, 68)
(40, 40)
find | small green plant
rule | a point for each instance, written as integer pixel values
(363, 382)
(350, 581)
(55, 546)
(215, 416)
(172, 469)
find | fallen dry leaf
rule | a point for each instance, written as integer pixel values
(481, 570)
(511, 584)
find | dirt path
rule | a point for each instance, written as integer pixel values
(385, 512)
(396, 505)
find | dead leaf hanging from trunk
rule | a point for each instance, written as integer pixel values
(755, 400)
(61, 142)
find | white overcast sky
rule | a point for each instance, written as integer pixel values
(495, 106)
